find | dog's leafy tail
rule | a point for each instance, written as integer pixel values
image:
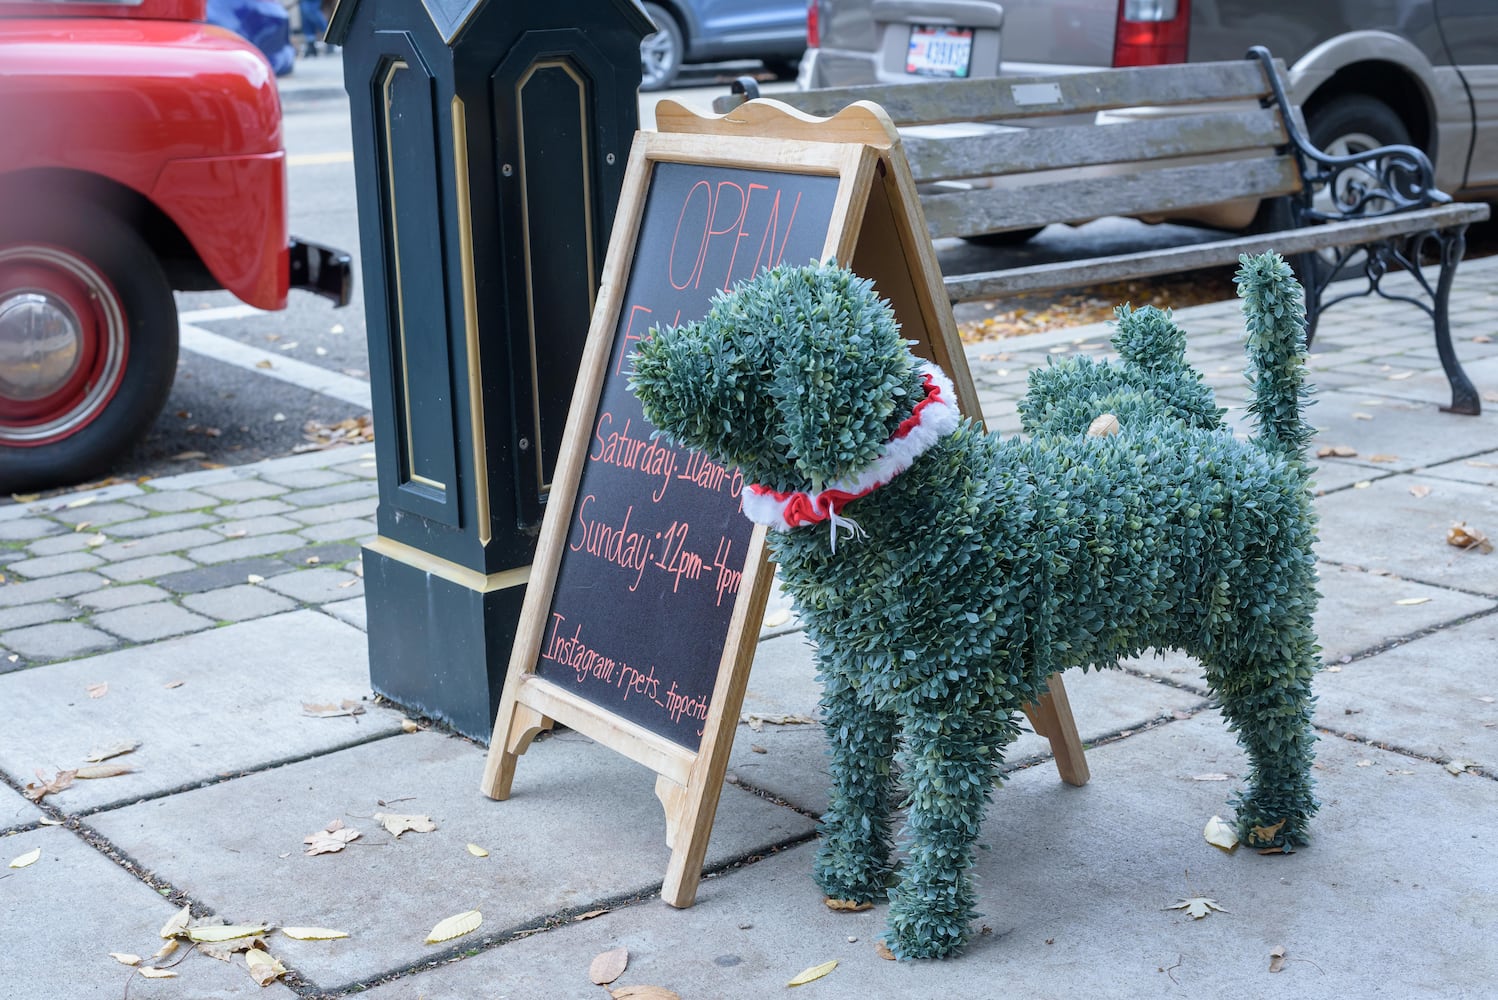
(1274, 313)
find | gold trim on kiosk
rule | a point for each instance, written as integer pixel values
(586, 176)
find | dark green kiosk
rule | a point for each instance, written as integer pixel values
(490, 140)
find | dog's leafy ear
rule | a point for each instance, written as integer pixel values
(702, 383)
(843, 374)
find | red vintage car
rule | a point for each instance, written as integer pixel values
(140, 152)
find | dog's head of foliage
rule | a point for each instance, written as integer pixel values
(798, 376)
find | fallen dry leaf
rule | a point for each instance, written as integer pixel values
(1277, 958)
(1362, 484)
(168, 947)
(1197, 906)
(644, 993)
(27, 860)
(1220, 834)
(48, 786)
(313, 933)
(151, 972)
(263, 967)
(1412, 601)
(455, 926)
(1464, 537)
(346, 707)
(1420, 491)
(608, 966)
(812, 974)
(589, 915)
(178, 923)
(1262, 834)
(125, 958)
(398, 824)
(882, 950)
(757, 721)
(115, 750)
(409, 726)
(332, 838)
(170, 685)
(477, 851)
(214, 933)
(1337, 451)
(1213, 776)
(776, 618)
(263, 363)
(96, 771)
(847, 905)
(1457, 767)
(1383, 458)
(98, 690)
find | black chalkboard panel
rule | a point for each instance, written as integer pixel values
(656, 545)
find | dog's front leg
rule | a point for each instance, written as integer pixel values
(949, 765)
(853, 858)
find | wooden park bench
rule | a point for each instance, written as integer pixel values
(1214, 132)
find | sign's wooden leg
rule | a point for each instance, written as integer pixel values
(687, 832)
(515, 726)
(1051, 717)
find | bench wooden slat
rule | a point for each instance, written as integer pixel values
(1080, 198)
(1000, 153)
(1015, 97)
(1076, 273)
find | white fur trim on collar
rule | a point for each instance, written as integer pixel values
(934, 418)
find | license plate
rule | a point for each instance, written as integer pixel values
(939, 50)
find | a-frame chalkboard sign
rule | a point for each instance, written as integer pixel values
(645, 599)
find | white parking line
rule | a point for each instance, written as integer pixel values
(237, 311)
(277, 366)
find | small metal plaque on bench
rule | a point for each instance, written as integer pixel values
(1036, 93)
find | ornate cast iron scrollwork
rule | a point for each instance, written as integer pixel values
(1366, 185)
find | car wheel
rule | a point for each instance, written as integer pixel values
(88, 345)
(661, 54)
(1351, 124)
(1009, 238)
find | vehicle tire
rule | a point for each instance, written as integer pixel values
(88, 344)
(1009, 238)
(662, 53)
(1347, 124)
(1353, 123)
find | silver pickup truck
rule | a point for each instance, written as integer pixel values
(1365, 72)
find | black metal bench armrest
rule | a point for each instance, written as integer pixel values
(1375, 182)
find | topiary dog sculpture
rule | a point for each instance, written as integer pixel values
(945, 573)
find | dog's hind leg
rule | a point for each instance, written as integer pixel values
(1266, 698)
(853, 859)
(950, 764)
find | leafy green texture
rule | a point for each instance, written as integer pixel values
(992, 563)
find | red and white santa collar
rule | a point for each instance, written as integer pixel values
(932, 419)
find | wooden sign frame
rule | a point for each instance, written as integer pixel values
(875, 228)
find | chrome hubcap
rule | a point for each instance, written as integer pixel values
(40, 341)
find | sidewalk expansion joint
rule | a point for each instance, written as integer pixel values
(1477, 770)
(219, 779)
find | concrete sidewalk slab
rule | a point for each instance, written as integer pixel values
(89, 906)
(239, 707)
(1385, 526)
(793, 764)
(16, 811)
(1424, 697)
(583, 829)
(1074, 887)
(1481, 469)
(1430, 385)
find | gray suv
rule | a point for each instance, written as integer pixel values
(1365, 72)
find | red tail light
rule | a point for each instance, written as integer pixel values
(813, 29)
(1151, 32)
